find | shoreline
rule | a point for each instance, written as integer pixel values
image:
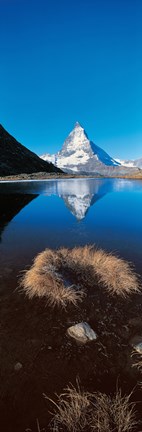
(54, 176)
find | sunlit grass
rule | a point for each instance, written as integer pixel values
(77, 411)
(83, 267)
(44, 279)
(114, 273)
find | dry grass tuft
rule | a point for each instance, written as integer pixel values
(72, 411)
(112, 272)
(113, 413)
(84, 265)
(44, 279)
(77, 411)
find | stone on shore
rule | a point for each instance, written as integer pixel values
(18, 366)
(82, 332)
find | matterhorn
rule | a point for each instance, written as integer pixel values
(80, 155)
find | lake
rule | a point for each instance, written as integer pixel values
(39, 214)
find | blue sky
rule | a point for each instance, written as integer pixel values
(67, 61)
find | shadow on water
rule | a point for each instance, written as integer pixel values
(11, 205)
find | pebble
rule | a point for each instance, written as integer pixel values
(82, 332)
(18, 366)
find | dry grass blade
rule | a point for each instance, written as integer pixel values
(38, 429)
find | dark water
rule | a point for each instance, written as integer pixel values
(39, 214)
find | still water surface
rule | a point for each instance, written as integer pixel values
(39, 214)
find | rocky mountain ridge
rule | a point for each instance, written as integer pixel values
(137, 163)
(16, 158)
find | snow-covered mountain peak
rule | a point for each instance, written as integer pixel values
(78, 125)
(76, 140)
(79, 154)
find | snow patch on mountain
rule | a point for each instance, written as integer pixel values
(73, 159)
(130, 163)
(126, 163)
(138, 163)
(49, 158)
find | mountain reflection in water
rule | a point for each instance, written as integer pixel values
(78, 195)
(71, 212)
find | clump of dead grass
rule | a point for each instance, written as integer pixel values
(112, 272)
(44, 279)
(85, 266)
(115, 413)
(72, 411)
(77, 411)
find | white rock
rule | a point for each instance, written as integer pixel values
(82, 332)
(18, 366)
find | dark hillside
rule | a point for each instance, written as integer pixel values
(16, 158)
